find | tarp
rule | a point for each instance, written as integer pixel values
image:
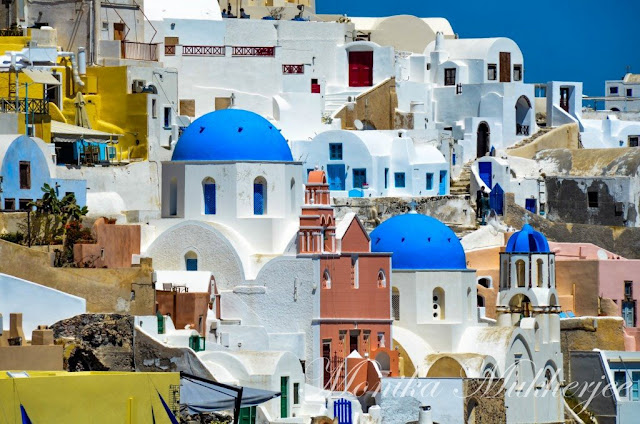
(41, 77)
(200, 396)
(67, 133)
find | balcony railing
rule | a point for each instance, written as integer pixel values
(522, 129)
(292, 69)
(254, 51)
(139, 51)
(169, 50)
(11, 32)
(38, 106)
(203, 50)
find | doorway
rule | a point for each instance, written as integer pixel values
(505, 67)
(119, 31)
(361, 69)
(443, 183)
(336, 174)
(484, 168)
(564, 98)
(482, 145)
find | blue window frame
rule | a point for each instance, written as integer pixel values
(453, 159)
(429, 180)
(209, 198)
(359, 177)
(399, 179)
(258, 199)
(335, 151)
(443, 183)
(386, 177)
(192, 264)
(635, 385)
(620, 380)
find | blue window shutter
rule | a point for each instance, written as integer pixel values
(429, 181)
(399, 178)
(258, 199)
(209, 199)
(192, 264)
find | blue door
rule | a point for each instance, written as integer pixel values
(342, 411)
(485, 173)
(531, 205)
(336, 177)
(443, 183)
(496, 199)
(209, 199)
(258, 199)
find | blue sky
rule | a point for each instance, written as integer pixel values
(587, 40)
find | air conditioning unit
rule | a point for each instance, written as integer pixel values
(138, 86)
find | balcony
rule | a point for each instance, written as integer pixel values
(139, 51)
(36, 106)
(254, 51)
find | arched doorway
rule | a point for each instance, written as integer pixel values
(483, 142)
(524, 115)
(521, 303)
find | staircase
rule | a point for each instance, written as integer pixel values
(335, 101)
(541, 131)
(461, 186)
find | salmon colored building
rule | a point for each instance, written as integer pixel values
(355, 286)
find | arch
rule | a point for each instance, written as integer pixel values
(485, 282)
(209, 196)
(483, 139)
(615, 109)
(438, 304)
(550, 375)
(173, 196)
(382, 279)
(521, 303)
(520, 273)
(490, 371)
(326, 279)
(524, 114)
(395, 303)
(446, 367)
(260, 196)
(553, 301)
(540, 271)
(191, 261)
(292, 195)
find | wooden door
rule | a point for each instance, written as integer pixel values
(360, 69)
(118, 31)
(505, 67)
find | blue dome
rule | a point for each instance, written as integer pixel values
(232, 135)
(527, 240)
(418, 242)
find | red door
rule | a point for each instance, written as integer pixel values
(360, 69)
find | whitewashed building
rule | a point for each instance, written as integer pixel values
(623, 95)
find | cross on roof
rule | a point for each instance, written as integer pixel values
(412, 206)
(526, 218)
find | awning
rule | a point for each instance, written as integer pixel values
(41, 77)
(67, 133)
(198, 395)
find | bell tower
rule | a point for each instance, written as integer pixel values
(317, 232)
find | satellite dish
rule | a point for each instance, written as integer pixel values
(602, 255)
(358, 124)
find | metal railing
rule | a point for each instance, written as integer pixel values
(522, 129)
(40, 106)
(203, 50)
(11, 32)
(169, 50)
(139, 51)
(292, 69)
(254, 51)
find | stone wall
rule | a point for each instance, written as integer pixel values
(564, 137)
(376, 107)
(488, 397)
(120, 290)
(624, 241)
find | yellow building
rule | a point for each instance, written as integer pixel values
(89, 397)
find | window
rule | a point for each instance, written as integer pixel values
(173, 197)
(492, 72)
(386, 177)
(620, 380)
(613, 90)
(9, 204)
(629, 92)
(540, 272)
(635, 386)
(326, 279)
(593, 199)
(354, 340)
(335, 151)
(354, 272)
(296, 393)
(450, 76)
(395, 303)
(438, 303)
(167, 117)
(284, 397)
(23, 204)
(382, 280)
(260, 196)
(399, 178)
(248, 415)
(25, 175)
(628, 289)
(633, 140)
(359, 177)
(485, 282)
(517, 72)
(154, 108)
(520, 272)
(429, 180)
(209, 193)
(191, 261)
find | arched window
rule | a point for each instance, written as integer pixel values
(209, 196)
(326, 279)
(520, 272)
(173, 197)
(395, 303)
(382, 280)
(260, 196)
(292, 196)
(539, 268)
(485, 282)
(438, 303)
(191, 261)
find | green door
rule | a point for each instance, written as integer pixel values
(248, 415)
(284, 397)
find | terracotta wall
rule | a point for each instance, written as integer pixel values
(127, 290)
(340, 347)
(115, 244)
(355, 239)
(184, 308)
(581, 276)
(486, 262)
